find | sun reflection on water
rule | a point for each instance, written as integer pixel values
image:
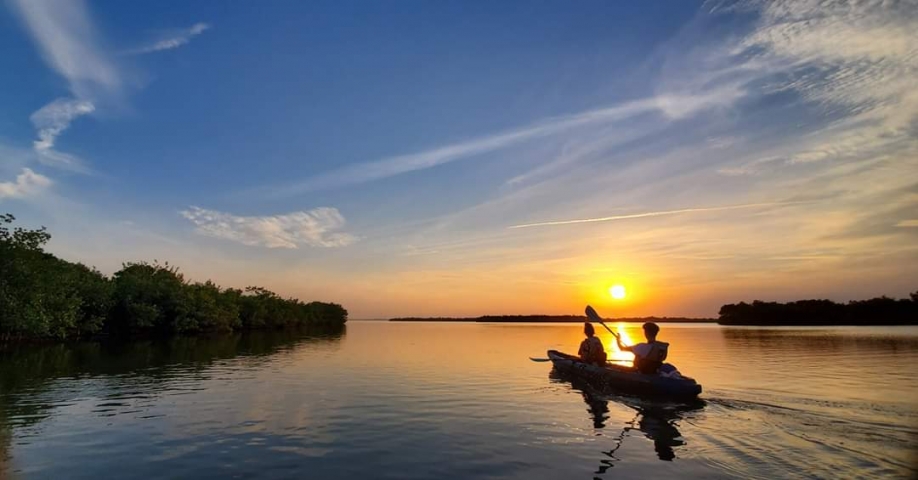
(614, 354)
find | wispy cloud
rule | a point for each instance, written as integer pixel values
(752, 167)
(808, 117)
(855, 60)
(173, 39)
(313, 228)
(50, 121)
(671, 107)
(651, 214)
(27, 183)
(580, 149)
(69, 43)
(67, 39)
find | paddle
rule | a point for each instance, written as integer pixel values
(594, 317)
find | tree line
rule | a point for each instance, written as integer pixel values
(42, 296)
(875, 311)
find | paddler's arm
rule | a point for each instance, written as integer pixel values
(618, 339)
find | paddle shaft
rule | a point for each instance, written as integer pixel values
(607, 327)
(592, 315)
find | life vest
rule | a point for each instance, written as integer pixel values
(592, 351)
(600, 356)
(652, 362)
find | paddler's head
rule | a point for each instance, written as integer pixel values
(650, 331)
(588, 329)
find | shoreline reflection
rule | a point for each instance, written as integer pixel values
(128, 373)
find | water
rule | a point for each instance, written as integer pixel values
(449, 401)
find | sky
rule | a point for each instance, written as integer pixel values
(466, 158)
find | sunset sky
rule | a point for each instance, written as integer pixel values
(468, 158)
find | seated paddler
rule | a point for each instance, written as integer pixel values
(591, 349)
(649, 355)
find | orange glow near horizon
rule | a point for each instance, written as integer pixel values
(616, 296)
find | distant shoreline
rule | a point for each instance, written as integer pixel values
(880, 311)
(548, 319)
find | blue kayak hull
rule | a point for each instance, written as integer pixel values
(625, 379)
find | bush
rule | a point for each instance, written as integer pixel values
(147, 298)
(42, 295)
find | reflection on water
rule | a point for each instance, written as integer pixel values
(457, 401)
(821, 340)
(657, 421)
(130, 375)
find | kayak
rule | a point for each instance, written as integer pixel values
(626, 379)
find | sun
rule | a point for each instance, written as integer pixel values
(617, 292)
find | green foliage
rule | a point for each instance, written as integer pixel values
(20, 237)
(42, 296)
(208, 308)
(148, 297)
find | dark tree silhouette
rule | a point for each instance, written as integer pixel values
(876, 311)
(42, 296)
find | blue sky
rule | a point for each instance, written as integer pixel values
(447, 158)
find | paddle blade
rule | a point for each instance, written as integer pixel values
(592, 315)
(540, 359)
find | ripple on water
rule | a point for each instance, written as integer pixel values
(366, 405)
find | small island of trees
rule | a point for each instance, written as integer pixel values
(876, 311)
(45, 297)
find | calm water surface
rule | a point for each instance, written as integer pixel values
(449, 401)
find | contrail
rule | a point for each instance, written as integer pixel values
(651, 214)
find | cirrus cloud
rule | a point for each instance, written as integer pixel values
(174, 40)
(69, 42)
(50, 121)
(67, 38)
(854, 60)
(311, 228)
(668, 106)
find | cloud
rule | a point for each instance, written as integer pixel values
(671, 107)
(578, 150)
(851, 53)
(651, 214)
(313, 228)
(50, 121)
(68, 42)
(855, 60)
(810, 118)
(173, 40)
(27, 183)
(753, 167)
